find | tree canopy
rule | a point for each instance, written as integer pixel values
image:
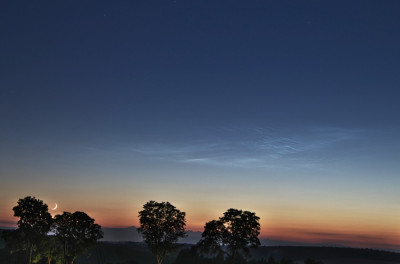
(33, 225)
(232, 235)
(161, 225)
(77, 232)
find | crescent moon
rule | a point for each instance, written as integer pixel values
(55, 207)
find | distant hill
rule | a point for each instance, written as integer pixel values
(192, 237)
(273, 243)
(130, 234)
(7, 227)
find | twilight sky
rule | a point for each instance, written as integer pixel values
(289, 109)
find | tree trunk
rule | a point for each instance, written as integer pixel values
(30, 253)
(65, 249)
(159, 259)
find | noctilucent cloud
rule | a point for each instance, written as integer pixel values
(288, 109)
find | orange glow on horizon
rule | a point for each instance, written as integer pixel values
(308, 224)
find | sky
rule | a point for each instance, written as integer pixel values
(289, 109)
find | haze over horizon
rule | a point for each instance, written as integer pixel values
(287, 109)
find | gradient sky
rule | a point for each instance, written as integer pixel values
(289, 109)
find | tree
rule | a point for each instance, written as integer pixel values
(51, 250)
(232, 235)
(34, 223)
(161, 225)
(76, 232)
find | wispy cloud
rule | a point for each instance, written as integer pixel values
(252, 148)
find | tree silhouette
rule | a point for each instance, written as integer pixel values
(33, 225)
(161, 225)
(232, 235)
(77, 232)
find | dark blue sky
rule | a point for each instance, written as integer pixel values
(288, 93)
(102, 64)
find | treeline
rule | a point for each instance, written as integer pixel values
(40, 238)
